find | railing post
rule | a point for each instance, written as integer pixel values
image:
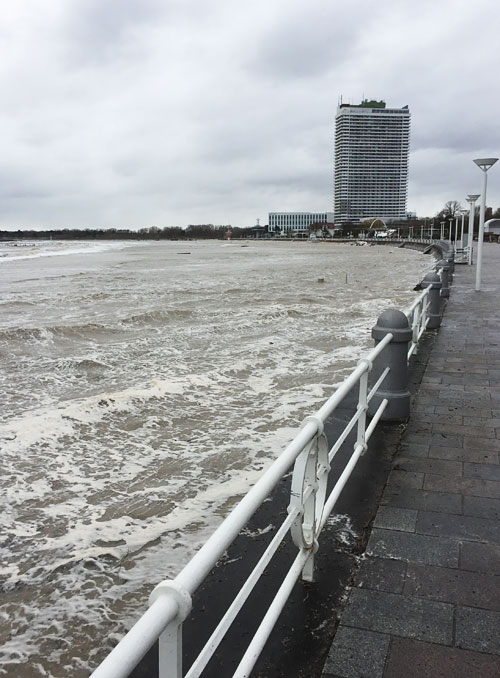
(395, 356)
(445, 269)
(433, 281)
(362, 405)
(307, 497)
(170, 640)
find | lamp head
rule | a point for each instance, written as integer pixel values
(473, 197)
(485, 163)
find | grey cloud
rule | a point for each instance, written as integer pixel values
(127, 113)
(98, 32)
(309, 41)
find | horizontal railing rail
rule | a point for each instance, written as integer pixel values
(311, 503)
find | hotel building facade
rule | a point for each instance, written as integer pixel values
(372, 146)
(297, 222)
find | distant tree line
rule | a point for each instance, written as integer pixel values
(193, 231)
(453, 209)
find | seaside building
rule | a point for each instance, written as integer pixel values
(297, 222)
(372, 145)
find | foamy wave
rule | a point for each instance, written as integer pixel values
(61, 248)
(51, 423)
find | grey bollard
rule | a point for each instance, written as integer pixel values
(445, 270)
(395, 356)
(451, 264)
(433, 281)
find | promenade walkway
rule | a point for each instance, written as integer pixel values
(426, 599)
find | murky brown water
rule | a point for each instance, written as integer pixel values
(143, 389)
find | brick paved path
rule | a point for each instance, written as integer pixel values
(426, 600)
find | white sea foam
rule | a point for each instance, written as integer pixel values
(49, 248)
(143, 393)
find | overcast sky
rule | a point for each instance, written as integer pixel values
(132, 113)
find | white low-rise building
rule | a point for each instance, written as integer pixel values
(297, 222)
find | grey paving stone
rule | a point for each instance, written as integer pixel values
(417, 659)
(461, 454)
(482, 507)
(454, 526)
(432, 377)
(481, 420)
(478, 630)
(436, 466)
(416, 548)
(381, 574)
(433, 389)
(465, 411)
(418, 438)
(400, 615)
(481, 443)
(414, 450)
(479, 389)
(482, 471)
(464, 400)
(356, 653)
(446, 440)
(423, 500)
(421, 401)
(465, 486)
(480, 557)
(447, 419)
(394, 518)
(453, 586)
(404, 479)
(472, 377)
(418, 428)
(456, 429)
(420, 407)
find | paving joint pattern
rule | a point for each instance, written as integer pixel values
(426, 599)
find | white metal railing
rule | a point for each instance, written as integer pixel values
(308, 511)
(462, 255)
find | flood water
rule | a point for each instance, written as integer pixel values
(144, 387)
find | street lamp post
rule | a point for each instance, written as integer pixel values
(471, 199)
(463, 212)
(484, 165)
(456, 230)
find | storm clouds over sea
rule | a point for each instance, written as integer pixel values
(144, 387)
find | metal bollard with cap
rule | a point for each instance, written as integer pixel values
(445, 270)
(433, 281)
(395, 357)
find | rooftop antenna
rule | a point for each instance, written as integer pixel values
(258, 222)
